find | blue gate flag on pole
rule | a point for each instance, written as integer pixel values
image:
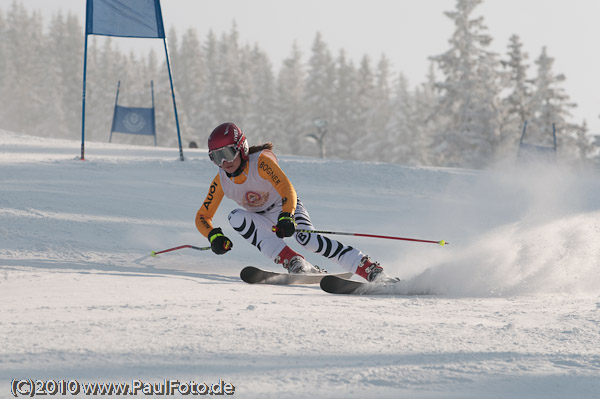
(134, 120)
(125, 18)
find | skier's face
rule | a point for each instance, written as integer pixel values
(231, 167)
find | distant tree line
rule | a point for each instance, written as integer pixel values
(469, 111)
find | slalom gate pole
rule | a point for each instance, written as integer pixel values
(442, 242)
(154, 253)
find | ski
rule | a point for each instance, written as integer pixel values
(334, 285)
(254, 275)
(338, 285)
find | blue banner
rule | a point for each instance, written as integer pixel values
(134, 120)
(125, 18)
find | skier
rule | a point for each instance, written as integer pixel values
(270, 211)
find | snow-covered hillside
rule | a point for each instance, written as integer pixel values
(516, 310)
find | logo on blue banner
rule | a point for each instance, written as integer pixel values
(134, 122)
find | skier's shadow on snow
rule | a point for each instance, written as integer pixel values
(149, 271)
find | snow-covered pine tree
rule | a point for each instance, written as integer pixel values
(209, 109)
(233, 93)
(319, 94)
(362, 134)
(70, 51)
(344, 129)
(290, 108)
(517, 102)
(469, 103)
(261, 122)
(585, 146)
(425, 100)
(381, 101)
(373, 143)
(403, 141)
(21, 99)
(190, 82)
(49, 116)
(551, 104)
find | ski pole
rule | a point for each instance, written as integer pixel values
(153, 253)
(442, 242)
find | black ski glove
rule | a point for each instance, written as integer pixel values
(218, 242)
(286, 225)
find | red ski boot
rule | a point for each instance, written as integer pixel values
(372, 271)
(294, 262)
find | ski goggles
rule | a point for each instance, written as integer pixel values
(223, 154)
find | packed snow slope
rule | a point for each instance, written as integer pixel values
(512, 310)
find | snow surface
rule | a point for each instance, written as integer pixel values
(515, 311)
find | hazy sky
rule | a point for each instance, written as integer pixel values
(407, 31)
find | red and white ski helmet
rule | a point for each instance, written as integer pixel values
(228, 135)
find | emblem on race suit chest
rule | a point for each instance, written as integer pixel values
(256, 200)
